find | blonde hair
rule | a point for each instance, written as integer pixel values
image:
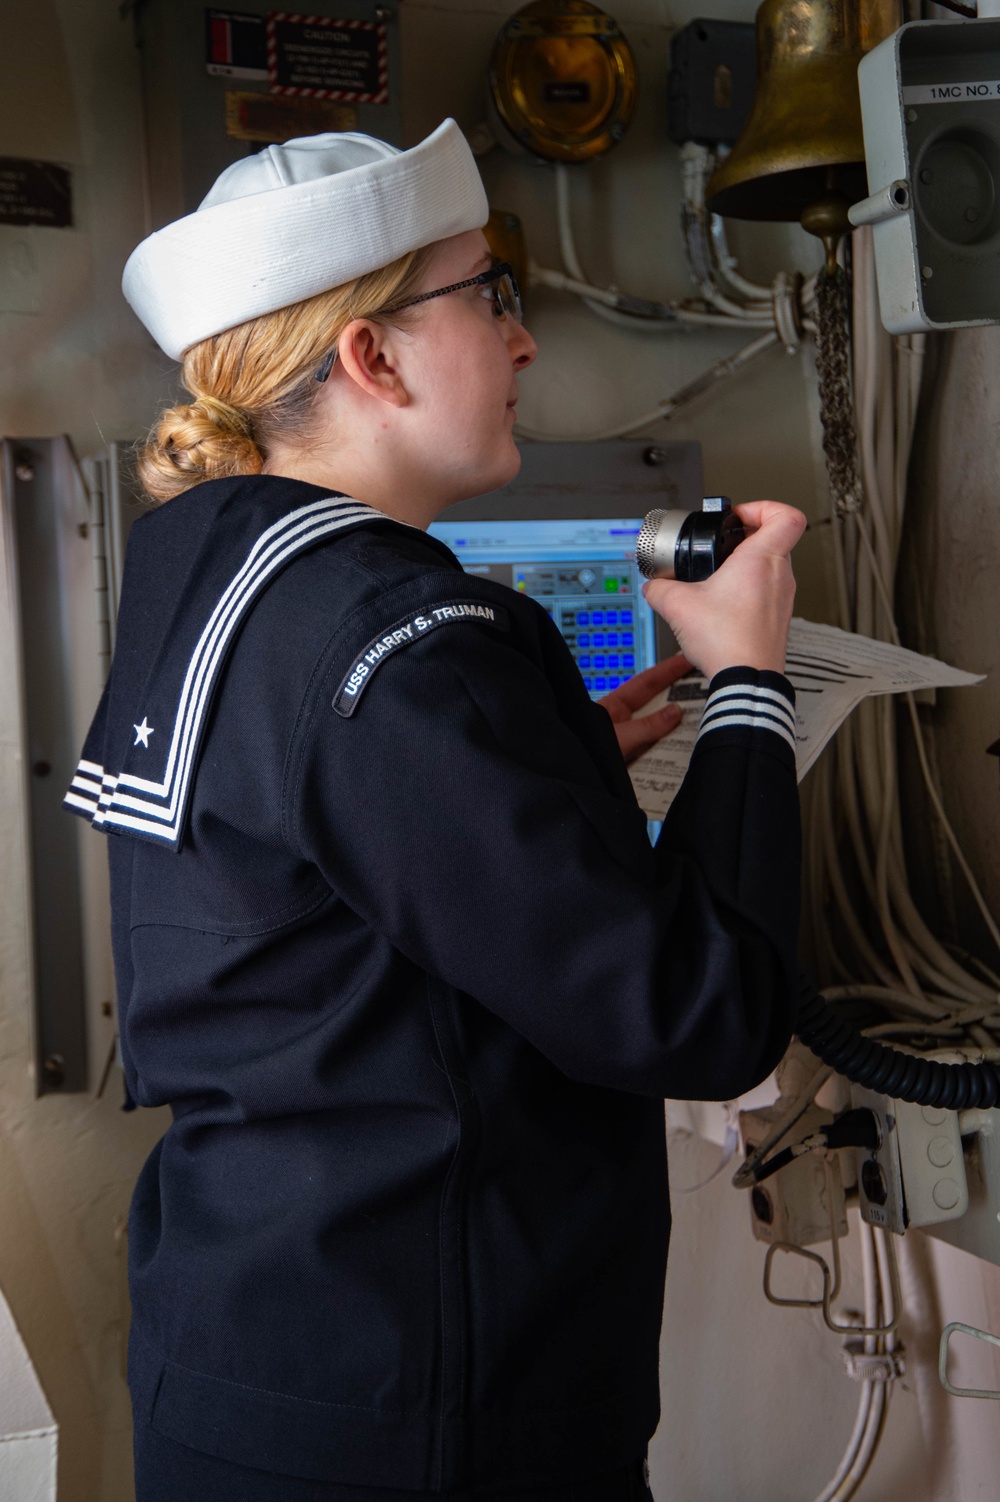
(255, 383)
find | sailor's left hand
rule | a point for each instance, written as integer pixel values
(637, 734)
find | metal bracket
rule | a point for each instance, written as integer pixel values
(831, 1281)
(949, 1387)
(801, 1251)
(874, 1366)
(46, 554)
(885, 204)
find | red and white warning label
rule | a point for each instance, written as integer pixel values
(316, 57)
(322, 58)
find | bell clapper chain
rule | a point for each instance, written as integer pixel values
(827, 219)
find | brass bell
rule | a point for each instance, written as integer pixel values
(801, 154)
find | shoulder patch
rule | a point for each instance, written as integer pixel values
(411, 628)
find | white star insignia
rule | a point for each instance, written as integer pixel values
(142, 733)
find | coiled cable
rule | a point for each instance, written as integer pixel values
(878, 1066)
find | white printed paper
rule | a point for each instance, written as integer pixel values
(831, 670)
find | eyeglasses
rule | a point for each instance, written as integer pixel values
(501, 278)
(505, 296)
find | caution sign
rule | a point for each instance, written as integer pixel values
(35, 193)
(321, 58)
(235, 44)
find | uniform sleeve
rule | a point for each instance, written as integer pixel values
(458, 814)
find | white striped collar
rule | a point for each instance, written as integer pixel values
(154, 807)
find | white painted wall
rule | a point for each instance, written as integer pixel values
(755, 1404)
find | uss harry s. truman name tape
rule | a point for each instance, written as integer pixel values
(410, 629)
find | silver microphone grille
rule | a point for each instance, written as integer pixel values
(645, 543)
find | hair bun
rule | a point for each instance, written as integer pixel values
(203, 440)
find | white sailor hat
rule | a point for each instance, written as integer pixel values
(298, 219)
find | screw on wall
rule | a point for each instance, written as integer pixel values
(54, 1070)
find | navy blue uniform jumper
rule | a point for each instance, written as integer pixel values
(392, 943)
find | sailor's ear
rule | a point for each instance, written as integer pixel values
(366, 355)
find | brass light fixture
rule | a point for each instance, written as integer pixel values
(801, 153)
(505, 236)
(563, 81)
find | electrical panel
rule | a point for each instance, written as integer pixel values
(978, 1229)
(806, 1199)
(935, 1187)
(219, 84)
(916, 1175)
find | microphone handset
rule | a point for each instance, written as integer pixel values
(688, 545)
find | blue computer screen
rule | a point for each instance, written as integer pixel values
(585, 575)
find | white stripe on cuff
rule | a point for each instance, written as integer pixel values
(758, 708)
(759, 695)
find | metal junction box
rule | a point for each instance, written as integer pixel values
(710, 87)
(219, 84)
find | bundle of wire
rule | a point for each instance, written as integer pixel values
(866, 929)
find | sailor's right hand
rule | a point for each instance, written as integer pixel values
(738, 617)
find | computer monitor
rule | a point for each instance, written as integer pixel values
(564, 532)
(585, 575)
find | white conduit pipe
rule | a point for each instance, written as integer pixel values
(698, 163)
(567, 248)
(870, 1415)
(881, 1296)
(671, 316)
(667, 408)
(612, 305)
(777, 311)
(567, 245)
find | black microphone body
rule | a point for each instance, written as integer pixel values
(688, 545)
